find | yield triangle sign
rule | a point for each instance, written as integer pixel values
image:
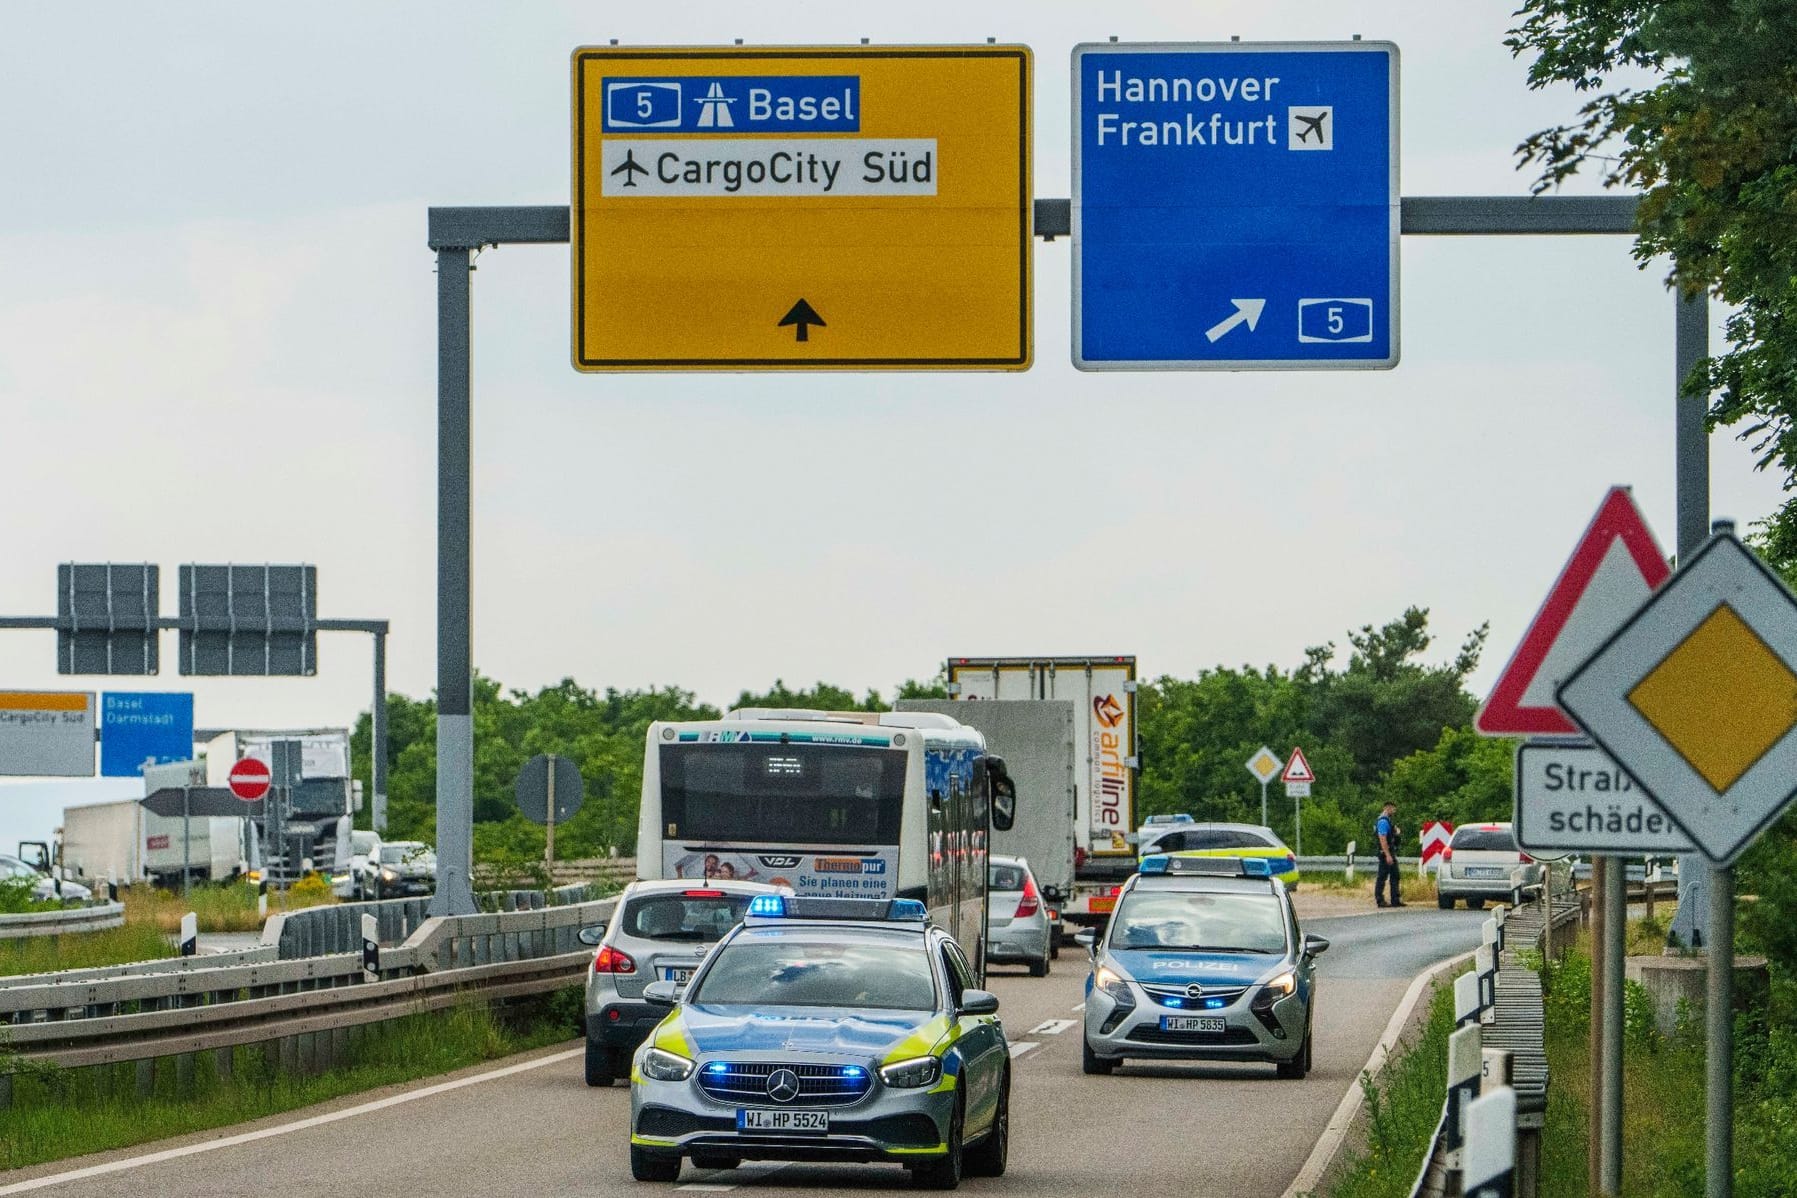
(1298, 769)
(1616, 565)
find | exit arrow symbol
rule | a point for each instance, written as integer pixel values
(1246, 311)
(802, 316)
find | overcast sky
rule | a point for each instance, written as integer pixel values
(217, 344)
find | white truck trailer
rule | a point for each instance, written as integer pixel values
(1035, 737)
(1105, 757)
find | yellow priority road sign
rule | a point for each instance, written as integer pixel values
(741, 208)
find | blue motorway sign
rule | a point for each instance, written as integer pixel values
(152, 727)
(1235, 206)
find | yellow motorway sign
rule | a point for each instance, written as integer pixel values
(851, 208)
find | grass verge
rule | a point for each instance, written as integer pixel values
(1403, 1108)
(84, 950)
(1411, 888)
(227, 907)
(38, 1126)
(1662, 1093)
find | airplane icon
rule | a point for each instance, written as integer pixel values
(1312, 124)
(630, 168)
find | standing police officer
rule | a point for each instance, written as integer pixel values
(1386, 833)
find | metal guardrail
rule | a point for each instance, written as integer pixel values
(62, 921)
(1507, 1009)
(304, 1008)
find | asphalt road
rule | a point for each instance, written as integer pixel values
(537, 1131)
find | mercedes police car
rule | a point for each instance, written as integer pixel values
(1203, 960)
(825, 1030)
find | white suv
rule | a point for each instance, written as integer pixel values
(1478, 864)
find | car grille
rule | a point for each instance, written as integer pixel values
(1151, 1034)
(819, 1085)
(1161, 994)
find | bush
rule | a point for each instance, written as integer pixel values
(311, 891)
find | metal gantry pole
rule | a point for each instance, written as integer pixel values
(455, 678)
(1600, 943)
(1692, 466)
(377, 775)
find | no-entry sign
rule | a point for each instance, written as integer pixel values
(249, 779)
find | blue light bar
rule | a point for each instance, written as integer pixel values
(909, 910)
(768, 905)
(1257, 867)
(1155, 863)
(1159, 864)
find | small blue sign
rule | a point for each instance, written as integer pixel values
(735, 104)
(1235, 206)
(156, 727)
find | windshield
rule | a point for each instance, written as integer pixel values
(1209, 838)
(783, 794)
(398, 854)
(683, 917)
(12, 867)
(782, 972)
(1484, 840)
(1171, 919)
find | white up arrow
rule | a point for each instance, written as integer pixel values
(1246, 310)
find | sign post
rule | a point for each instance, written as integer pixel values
(1297, 777)
(549, 788)
(1265, 766)
(1695, 696)
(1235, 206)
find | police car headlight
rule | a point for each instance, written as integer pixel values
(664, 1066)
(1277, 988)
(1112, 983)
(908, 1075)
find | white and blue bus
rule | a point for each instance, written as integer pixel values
(862, 804)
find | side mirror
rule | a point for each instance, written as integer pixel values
(1004, 804)
(1314, 944)
(591, 935)
(1087, 938)
(977, 1002)
(661, 994)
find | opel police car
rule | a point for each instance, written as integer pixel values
(825, 1029)
(1203, 960)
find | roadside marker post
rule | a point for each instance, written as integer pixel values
(371, 946)
(1465, 1062)
(1489, 1163)
(190, 934)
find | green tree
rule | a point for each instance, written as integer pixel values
(1710, 142)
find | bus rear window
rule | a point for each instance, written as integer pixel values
(784, 794)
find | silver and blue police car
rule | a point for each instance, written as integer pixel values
(826, 1030)
(1203, 960)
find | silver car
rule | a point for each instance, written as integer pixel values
(1203, 960)
(43, 887)
(1478, 864)
(1017, 928)
(660, 931)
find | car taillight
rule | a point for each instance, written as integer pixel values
(1526, 859)
(701, 894)
(1079, 856)
(1031, 901)
(1447, 854)
(1291, 863)
(610, 960)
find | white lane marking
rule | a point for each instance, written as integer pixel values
(740, 1175)
(248, 1137)
(1022, 1047)
(1078, 1006)
(1052, 1027)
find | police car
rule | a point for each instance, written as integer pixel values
(825, 1030)
(1203, 960)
